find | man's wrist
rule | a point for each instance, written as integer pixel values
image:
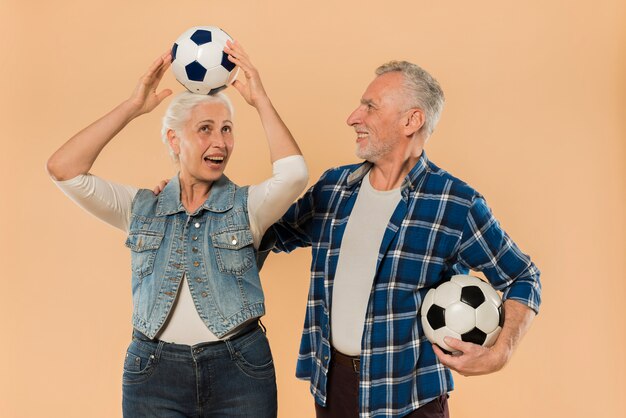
(503, 352)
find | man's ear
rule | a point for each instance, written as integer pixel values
(174, 141)
(414, 121)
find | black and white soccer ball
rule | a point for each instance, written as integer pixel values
(199, 62)
(465, 308)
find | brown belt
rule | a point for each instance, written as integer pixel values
(349, 361)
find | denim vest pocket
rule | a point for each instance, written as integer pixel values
(144, 246)
(233, 250)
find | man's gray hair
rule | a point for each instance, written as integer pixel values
(179, 111)
(422, 90)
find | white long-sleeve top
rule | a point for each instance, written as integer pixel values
(267, 202)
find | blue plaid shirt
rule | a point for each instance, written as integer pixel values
(440, 227)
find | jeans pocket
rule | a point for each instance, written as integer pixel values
(255, 358)
(139, 365)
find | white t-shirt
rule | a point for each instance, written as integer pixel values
(267, 202)
(356, 266)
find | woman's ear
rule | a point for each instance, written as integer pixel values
(174, 141)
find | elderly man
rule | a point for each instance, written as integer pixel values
(382, 233)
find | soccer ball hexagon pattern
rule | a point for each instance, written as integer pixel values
(464, 307)
(199, 62)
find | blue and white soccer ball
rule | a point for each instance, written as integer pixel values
(199, 62)
(465, 308)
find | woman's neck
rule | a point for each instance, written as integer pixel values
(193, 193)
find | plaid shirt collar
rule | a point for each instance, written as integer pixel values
(411, 181)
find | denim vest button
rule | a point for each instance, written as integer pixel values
(197, 224)
(195, 238)
(194, 249)
(205, 294)
(196, 263)
(199, 280)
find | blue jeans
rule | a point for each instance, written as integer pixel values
(231, 378)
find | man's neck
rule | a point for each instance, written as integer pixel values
(388, 174)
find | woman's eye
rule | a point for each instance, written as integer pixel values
(205, 128)
(227, 129)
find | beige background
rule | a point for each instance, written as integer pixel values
(534, 120)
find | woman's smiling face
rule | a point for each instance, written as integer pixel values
(205, 143)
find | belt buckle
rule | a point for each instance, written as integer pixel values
(356, 364)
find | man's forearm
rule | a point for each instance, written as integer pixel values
(517, 320)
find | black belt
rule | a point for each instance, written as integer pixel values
(354, 362)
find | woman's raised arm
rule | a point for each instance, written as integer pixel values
(78, 154)
(280, 141)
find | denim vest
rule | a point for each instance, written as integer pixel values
(212, 246)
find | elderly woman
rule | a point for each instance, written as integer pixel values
(197, 349)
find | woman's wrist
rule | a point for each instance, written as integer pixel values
(264, 105)
(129, 110)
